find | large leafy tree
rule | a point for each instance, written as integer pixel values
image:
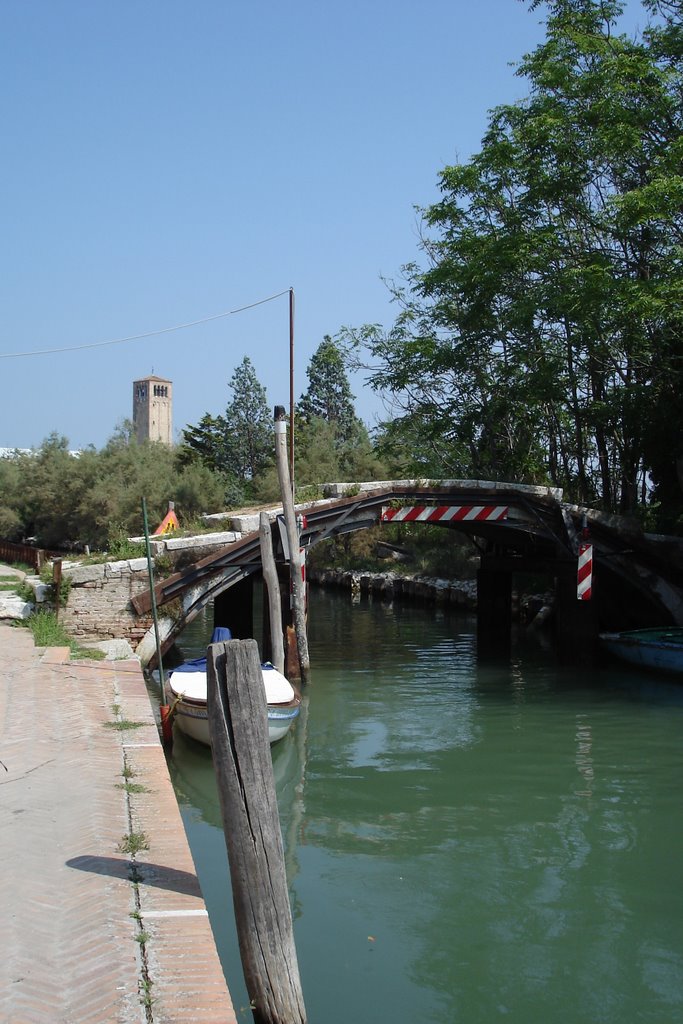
(205, 442)
(322, 457)
(542, 339)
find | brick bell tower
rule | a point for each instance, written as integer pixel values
(153, 409)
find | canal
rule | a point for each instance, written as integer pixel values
(464, 842)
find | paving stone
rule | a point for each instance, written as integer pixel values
(70, 954)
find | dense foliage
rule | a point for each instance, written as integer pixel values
(328, 396)
(95, 498)
(542, 339)
(238, 444)
(332, 443)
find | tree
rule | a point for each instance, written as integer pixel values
(542, 340)
(93, 496)
(50, 491)
(329, 394)
(249, 446)
(332, 442)
(11, 524)
(205, 443)
(322, 457)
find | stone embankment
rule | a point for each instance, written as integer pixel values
(389, 585)
(100, 595)
(534, 610)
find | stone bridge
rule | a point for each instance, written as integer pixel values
(637, 578)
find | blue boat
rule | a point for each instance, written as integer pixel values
(656, 648)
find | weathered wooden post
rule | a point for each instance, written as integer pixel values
(297, 583)
(238, 726)
(57, 583)
(153, 602)
(273, 591)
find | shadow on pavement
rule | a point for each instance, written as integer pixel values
(135, 871)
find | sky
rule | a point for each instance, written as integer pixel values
(165, 163)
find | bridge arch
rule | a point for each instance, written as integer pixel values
(516, 528)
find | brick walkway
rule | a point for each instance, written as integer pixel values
(91, 933)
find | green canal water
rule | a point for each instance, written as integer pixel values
(465, 842)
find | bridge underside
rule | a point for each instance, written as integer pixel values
(636, 582)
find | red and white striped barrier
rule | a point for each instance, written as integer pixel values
(584, 579)
(444, 513)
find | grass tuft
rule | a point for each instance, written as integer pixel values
(133, 843)
(123, 724)
(132, 787)
(48, 632)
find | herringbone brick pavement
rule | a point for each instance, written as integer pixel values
(91, 933)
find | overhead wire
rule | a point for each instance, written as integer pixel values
(146, 334)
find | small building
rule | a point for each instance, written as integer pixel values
(153, 409)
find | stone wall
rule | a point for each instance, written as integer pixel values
(99, 601)
(99, 608)
(389, 585)
(535, 610)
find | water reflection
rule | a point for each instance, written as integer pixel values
(584, 760)
(469, 842)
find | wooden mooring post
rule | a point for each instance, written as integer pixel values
(273, 592)
(238, 726)
(298, 587)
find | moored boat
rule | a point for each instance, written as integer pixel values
(187, 692)
(655, 648)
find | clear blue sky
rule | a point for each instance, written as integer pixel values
(164, 162)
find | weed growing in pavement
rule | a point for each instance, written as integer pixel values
(123, 724)
(133, 787)
(133, 843)
(146, 992)
(121, 547)
(47, 630)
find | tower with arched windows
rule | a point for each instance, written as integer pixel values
(153, 409)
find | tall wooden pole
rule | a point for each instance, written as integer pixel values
(291, 388)
(57, 582)
(238, 725)
(153, 600)
(297, 583)
(273, 591)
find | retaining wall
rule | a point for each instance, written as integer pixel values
(98, 606)
(99, 601)
(388, 585)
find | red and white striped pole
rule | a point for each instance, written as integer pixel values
(584, 578)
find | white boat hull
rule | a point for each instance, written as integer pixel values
(191, 714)
(194, 722)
